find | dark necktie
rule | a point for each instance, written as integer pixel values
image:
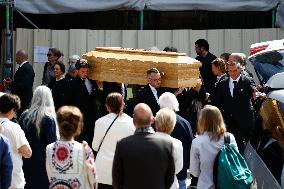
(235, 87)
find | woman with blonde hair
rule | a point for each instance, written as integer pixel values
(165, 122)
(70, 164)
(39, 124)
(208, 142)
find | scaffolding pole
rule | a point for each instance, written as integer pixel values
(8, 62)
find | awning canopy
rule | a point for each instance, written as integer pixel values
(71, 6)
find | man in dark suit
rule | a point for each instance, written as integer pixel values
(81, 92)
(205, 57)
(151, 92)
(233, 98)
(23, 81)
(143, 160)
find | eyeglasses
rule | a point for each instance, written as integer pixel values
(156, 80)
(49, 54)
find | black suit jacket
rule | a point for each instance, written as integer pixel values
(76, 94)
(143, 161)
(183, 132)
(145, 95)
(237, 110)
(23, 85)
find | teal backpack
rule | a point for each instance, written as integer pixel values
(230, 168)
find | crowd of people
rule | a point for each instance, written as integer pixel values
(150, 142)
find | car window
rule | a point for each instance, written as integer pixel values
(268, 63)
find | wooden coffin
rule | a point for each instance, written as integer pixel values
(126, 65)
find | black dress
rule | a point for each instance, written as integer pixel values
(34, 167)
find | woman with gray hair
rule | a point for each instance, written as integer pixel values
(182, 131)
(165, 121)
(39, 125)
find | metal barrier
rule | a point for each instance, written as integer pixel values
(263, 179)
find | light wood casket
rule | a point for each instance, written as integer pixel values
(125, 65)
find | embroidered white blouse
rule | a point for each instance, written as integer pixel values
(65, 165)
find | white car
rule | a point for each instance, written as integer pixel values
(267, 59)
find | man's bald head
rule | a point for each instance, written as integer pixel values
(21, 56)
(142, 115)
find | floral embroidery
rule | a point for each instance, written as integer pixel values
(62, 153)
(64, 184)
(62, 159)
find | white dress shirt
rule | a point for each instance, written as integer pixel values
(177, 155)
(231, 85)
(23, 63)
(88, 85)
(155, 93)
(202, 156)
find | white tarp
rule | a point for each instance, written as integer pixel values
(212, 5)
(69, 6)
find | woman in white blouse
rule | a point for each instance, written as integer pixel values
(122, 126)
(165, 122)
(210, 139)
(70, 164)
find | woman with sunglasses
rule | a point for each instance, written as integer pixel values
(53, 55)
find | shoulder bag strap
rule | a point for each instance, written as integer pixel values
(106, 133)
(226, 138)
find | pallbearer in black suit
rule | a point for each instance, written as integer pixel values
(151, 92)
(80, 92)
(205, 57)
(233, 98)
(22, 85)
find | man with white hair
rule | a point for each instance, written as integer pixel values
(182, 132)
(72, 71)
(234, 96)
(73, 59)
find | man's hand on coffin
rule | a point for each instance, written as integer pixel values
(179, 91)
